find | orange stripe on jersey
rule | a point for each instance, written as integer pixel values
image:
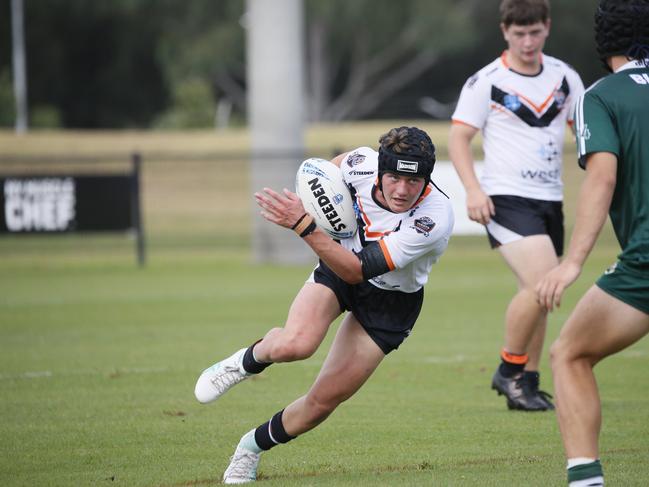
(368, 223)
(386, 254)
(537, 108)
(455, 121)
(545, 103)
(503, 59)
(495, 106)
(426, 193)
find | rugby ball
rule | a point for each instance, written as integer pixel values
(319, 184)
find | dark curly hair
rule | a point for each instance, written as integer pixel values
(622, 28)
(408, 141)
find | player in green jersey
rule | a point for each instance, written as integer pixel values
(612, 125)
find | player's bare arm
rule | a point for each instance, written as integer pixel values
(339, 159)
(480, 208)
(286, 210)
(592, 209)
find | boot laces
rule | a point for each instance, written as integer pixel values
(243, 465)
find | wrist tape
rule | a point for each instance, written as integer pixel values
(304, 226)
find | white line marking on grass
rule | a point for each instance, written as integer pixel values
(27, 375)
(106, 373)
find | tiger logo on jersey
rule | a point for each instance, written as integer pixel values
(355, 159)
(423, 225)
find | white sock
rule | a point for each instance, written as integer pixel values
(256, 359)
(248, 442)
(573, 462)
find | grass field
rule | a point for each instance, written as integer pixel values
(99, 357)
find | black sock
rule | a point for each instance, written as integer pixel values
(508, 369)
(272, 433)
(512, 363)
(533, 378)
(249, 363)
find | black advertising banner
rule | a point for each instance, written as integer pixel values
(66, 203)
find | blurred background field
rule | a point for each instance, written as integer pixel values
(99, 357)
(196, 190)
(195, 185)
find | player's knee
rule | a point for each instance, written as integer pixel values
(291, 347)
(562, 352)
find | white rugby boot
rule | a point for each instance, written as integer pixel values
(242, 468)
(220, 377)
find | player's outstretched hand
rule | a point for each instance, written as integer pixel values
(479, 206)
(282, 209)
(550, 289)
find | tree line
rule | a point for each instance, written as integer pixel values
(177, 64)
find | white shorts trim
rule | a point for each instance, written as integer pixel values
(502, 234)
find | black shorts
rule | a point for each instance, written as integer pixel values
(387, 316)
(517, 217)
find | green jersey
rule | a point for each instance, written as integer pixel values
(613, 116)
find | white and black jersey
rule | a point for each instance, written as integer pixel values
(523, 121)
(412, 241)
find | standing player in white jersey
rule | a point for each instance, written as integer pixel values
(521, 102)
(377, 275)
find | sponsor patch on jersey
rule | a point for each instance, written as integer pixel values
(560, 97)
(549, 152)
(355, 159)
(471, 81)
(423, 225)
(511, 102)
(407, 166)
(585, 133)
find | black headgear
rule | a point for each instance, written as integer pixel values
(622, 28)
(416, 156)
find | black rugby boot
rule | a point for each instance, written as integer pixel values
(518, 393)
(533, 379)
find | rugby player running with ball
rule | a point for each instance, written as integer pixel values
(377, 276)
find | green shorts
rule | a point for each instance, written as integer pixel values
(629, 285)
